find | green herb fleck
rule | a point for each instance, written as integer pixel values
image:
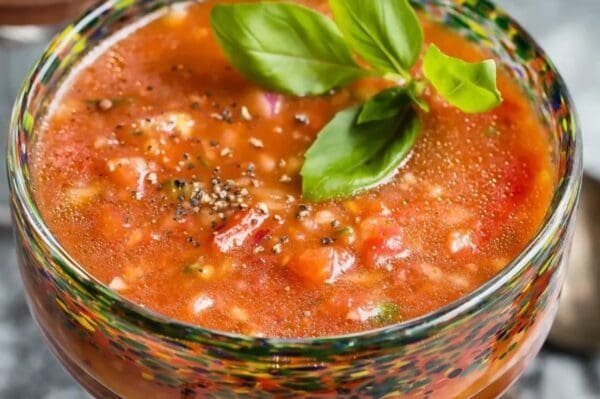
(491, 132)
(348, 230)
(193, 268)
(388, 313)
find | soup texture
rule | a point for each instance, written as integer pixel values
(175, 181)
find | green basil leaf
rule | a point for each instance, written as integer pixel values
(285, 47)
(386, 33)
(471, 87)
(348, 158)
(415, 91)
(388, 104)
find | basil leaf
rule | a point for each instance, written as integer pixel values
(471, 87)
(387, 104)
(348, 158)
(386, 33)
(415, 91)
(285, 47)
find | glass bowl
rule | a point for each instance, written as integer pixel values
(474, 347)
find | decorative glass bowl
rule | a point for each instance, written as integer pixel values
(474, 347)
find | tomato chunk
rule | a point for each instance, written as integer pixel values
(317, 266)
(383, 242)
(239, 231)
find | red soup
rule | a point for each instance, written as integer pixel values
(175, 181)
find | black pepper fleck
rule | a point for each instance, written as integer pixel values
(303, 211)
(227, 115)
(326, 241)
(179, 184)
(302, 119)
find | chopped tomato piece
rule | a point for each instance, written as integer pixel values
(323, 265)
(383, 242)
(239, 230)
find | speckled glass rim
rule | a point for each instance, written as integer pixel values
(561, 208)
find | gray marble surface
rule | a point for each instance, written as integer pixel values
(568, 29)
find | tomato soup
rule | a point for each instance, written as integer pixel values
(175, 181)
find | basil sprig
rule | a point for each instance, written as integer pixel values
(295, 50)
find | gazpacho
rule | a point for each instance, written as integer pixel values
(187, 183)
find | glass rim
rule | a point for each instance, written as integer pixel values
(560, 207)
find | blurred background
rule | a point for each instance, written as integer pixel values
(568, 367)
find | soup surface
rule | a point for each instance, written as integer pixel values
(175, 181)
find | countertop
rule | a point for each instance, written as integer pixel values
(567, 29)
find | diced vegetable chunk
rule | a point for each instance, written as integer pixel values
(81, 196)
(383, 242)
(323, 265)
(240, 230)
